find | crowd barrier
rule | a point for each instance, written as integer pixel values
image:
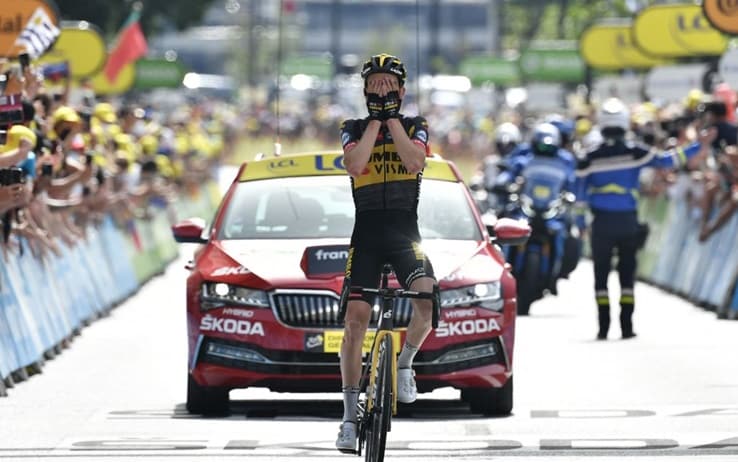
(45, 302)
(675, 260)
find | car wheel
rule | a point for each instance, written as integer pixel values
(206, 400)
(490, 401)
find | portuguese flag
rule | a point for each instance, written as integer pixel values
(130, 46)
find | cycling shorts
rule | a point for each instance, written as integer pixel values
(389, 236)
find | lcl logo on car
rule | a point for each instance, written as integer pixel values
(282, 163)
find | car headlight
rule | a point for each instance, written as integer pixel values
(485, 295)
(219, 294)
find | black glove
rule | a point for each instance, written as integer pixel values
(374, 104)
(391, 108)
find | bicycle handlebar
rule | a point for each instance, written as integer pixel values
(391, 293)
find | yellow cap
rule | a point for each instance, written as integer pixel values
(105, 112)
(64, 114)
(15, 135)
(149, 144)
(694, 98)
(166, 169)
(113, 130)
(583, 126)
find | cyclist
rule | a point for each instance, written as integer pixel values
(385, 156)
(608, 181)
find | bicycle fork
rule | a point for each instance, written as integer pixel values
(375, 365)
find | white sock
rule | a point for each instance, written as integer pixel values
(350, 403)
(405, 360)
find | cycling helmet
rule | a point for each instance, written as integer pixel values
(613, 115)
(384, 64)
(507, 137)
(546, 139)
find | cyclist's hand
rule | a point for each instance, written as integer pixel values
(391, 108)
(375, 105)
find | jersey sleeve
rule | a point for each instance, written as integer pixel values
(349, 136)
(418, 133)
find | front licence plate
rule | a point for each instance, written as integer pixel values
(332, 341)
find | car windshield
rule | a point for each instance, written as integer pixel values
(322, 207)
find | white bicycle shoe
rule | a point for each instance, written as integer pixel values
(346, 441)
(407, 391)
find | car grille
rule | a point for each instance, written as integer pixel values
(309, 309)
(300, 363)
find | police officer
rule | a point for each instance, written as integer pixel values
(608, 182)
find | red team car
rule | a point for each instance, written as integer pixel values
(262, 295)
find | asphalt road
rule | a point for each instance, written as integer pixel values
(671, 393)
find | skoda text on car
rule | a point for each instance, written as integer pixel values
(263, 292)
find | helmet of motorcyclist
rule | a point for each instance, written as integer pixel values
(507, 137)
(565, 126)
(546, 139)
(384, 64)
(592, 140)
(613, 118)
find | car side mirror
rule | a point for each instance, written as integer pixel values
(507, 231)
(189, 231)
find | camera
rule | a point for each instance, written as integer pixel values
(25, 60)
(12, 176)
(11, 110)
(47, 170)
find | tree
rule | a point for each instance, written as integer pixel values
(540, 20)
(109, 15)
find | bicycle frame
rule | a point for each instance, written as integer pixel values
(385, 328)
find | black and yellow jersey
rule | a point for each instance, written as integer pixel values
(385, 183)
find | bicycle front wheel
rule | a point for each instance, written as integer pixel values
(382, 411)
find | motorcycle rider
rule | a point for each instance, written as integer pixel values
(545, 147)
(608, 180)
(566, 130)
(507, 138)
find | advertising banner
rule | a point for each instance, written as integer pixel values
(722, 14)
(82, 46)
(609, 47)
(483, 69)
(158, 73)
(14, 15)
(552, 65)
(677, 31)
(317, 66)
(122, 83)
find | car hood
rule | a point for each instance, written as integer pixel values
(280, 258)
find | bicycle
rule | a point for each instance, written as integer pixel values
(379, 374)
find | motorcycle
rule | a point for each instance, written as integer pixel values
(489, 197)
(554, 246)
